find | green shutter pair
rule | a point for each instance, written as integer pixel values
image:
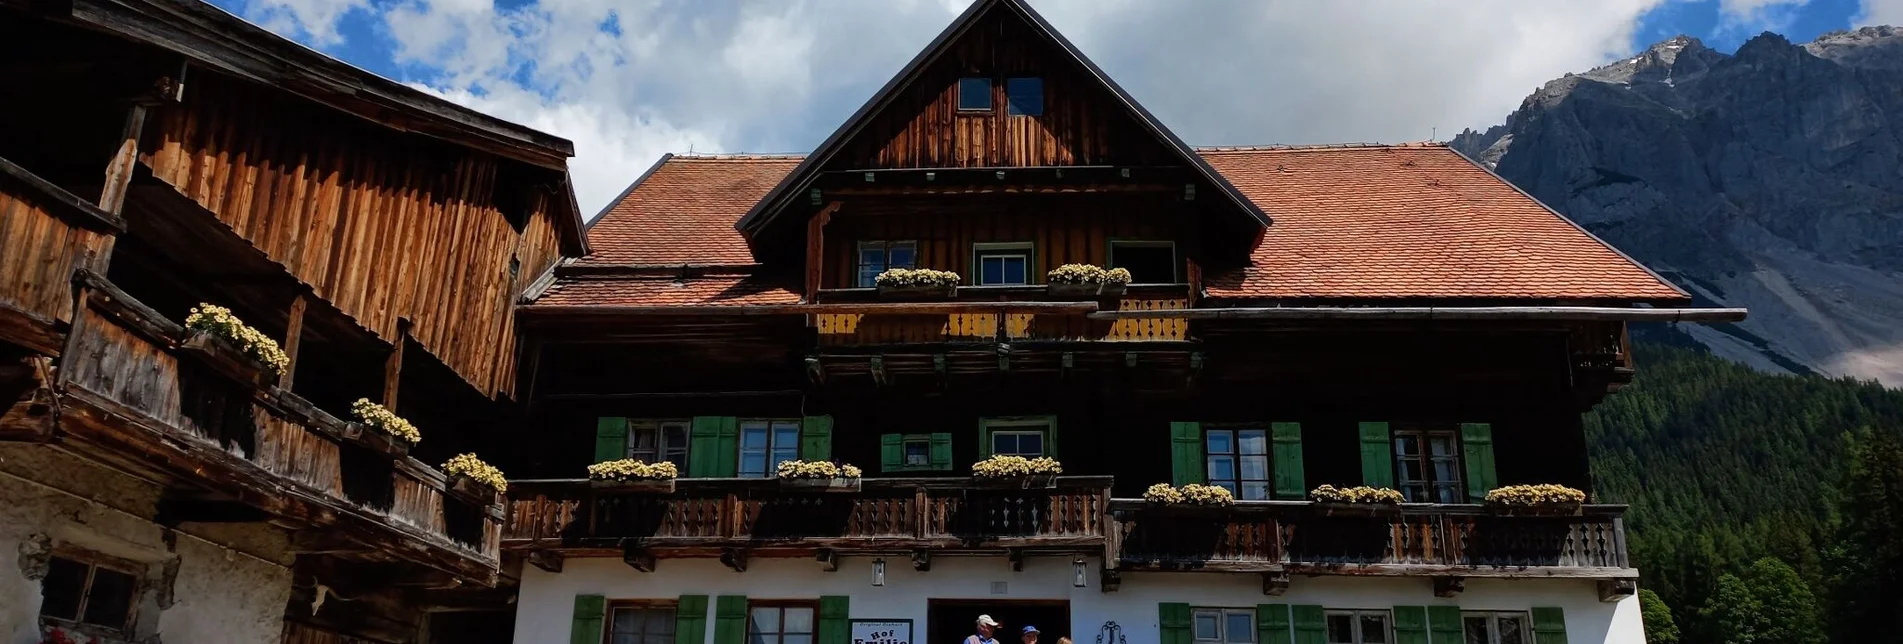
(1377, 457)
(1188, 464)
(892, 453)
(690, 619)
(713, 443)
(1285, 624)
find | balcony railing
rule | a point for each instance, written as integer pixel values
(942, 513)
(48, 234)
(130, 389)
(1416, 539)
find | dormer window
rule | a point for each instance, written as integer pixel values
(1024, 96)
(974, 94)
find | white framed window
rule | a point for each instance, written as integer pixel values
(1029, 437)
(1225, 625)
(781, 622)
(1149, 262)
(1238, 460)
(764, 444)
(1427, 465)
(877, 256)
(1494, 627)
(1358, 627)
(640, 623)
(1007, 264)
(974, 94)
(89, 589)
(653, 441)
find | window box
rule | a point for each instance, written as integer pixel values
(1553, 510)
(637, 486)
(821, 485)
(919, 292)
(1328, 509)
(1536, 500)
(1087, 290)
(376, 440)
(224, 357)
(1027, 482)
(470, 489)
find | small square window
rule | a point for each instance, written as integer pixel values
(1357, 627)
(83, 591)
(1223, 626)
(766, 443)
(1002, 264)
(974, 94)
(1024, 96)
(653, 441)
(877, 256)
(1495, 628)
(1149, 262)
(918, 452)
(1026, 437)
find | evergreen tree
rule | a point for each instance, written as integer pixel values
(1659, 627)
(1867, 560)
(1769, 604)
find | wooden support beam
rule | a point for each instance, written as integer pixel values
(735, 558)
(828, 560)
(293, 336)
(393, 369)
(1612, 590)
(816, 247)
(922, 560)
(879, 376)
(1275, 583)
(547, 560)
(638, 558)
(112, 198)
(325, 542)
(1110, 580)
(1449, 586)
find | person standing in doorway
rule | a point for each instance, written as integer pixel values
(985, 627)
(1029, 635)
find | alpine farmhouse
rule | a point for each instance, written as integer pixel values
(1391, 316)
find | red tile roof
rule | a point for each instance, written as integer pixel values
(719, 290)
(1365, 222)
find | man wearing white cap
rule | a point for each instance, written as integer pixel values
(985, 626)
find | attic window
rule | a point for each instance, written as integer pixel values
(1024, 96)
(974, 94)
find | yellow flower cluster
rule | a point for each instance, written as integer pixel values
(816, 470)
(380, 418)
(628, 469)
(895, 277)
(1192, 494)
(472, 467)
(1357, 494)
(1086, 274)
(219, 321)
(998, 467)
(1535, 495)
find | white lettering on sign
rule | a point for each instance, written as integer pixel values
(881, 631)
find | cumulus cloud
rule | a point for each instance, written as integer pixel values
(1758, 15)
(1880, 12)
(630, 79)
(312, 21)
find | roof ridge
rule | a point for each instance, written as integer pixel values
(739, 156)
(1419, 145)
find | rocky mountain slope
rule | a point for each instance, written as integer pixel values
(1771, 179)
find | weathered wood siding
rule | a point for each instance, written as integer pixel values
(38, 252)
(124, 367)
(1082, 123)
(418, 503)
(383, 226)
(290, 450)
(1063, 229)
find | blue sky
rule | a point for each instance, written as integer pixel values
(628, 80)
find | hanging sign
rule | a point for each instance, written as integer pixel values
(881, 631)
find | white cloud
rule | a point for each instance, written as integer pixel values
(1757, 15)
(1880, 12)
(312, 21)
(630, 79)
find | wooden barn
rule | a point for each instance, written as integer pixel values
(158, 480)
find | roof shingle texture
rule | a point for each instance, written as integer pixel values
(1351, 222)
(666, 291)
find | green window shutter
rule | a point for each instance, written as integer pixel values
(1311, 624)
(834, 625)
(1377, 460)
(1172, 623)
(941, 454)
(690, 620)
(1290, 481)
(703, 447)
(611, 439)
(1186, 453)
(1443, 624)
(587, 625)
(1410, 625)
(730, 619)
(891, 452)
(1272, 625)
(1481, 477)
(1549, 625)
(984, 439)
(816, 438)
(727, 452)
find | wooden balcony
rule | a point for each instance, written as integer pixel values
(1417, 540)
(130, 392)
(719, 516)
(45, 234)
(986, 315)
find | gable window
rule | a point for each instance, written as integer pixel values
(1238, 460)
(653, 441)
(1149, 262)
(1026, 437)
(1427, 465)
(1002, 264)
(974, 94)
(877, 256)
(1223, 625)
(766, 443)
(90, 590)
(917, 451)
(1357, 627)
(780, 623)
(1024, 96)
(641, 623)
(1495, 628)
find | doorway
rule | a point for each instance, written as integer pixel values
(950, 621)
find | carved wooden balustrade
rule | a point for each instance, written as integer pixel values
(131, 383)
(894, 514)
(1417, 539)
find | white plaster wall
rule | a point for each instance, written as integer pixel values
(218, 594)
(544, 609)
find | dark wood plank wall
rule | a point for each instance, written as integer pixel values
(1065, 229)
(38, 252)
(1082, 124)
(382, 226)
